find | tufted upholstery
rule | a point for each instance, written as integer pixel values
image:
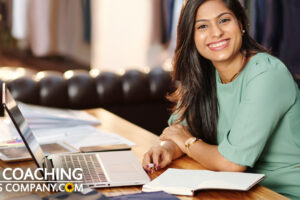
(135, 95)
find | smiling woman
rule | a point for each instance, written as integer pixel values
(219, 38)
(237, 108)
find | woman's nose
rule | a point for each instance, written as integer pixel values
(216, 31)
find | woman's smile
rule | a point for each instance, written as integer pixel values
(219, 45)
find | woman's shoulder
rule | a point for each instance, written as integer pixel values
(268, 74)
(269, 80)
(262, 63)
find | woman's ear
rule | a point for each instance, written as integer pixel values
(242, 28)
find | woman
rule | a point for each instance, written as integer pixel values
(237, 107)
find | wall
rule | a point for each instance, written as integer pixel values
(125, 34)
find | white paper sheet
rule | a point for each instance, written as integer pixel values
(45, 117)
(80, 136)
(76, 136)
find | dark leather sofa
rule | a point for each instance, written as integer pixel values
(134, 95)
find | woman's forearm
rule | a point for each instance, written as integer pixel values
(209, 157)
(171, 146)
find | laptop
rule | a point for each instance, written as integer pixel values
(103, 169)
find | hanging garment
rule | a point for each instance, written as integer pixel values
(290, 43)
(19, 18)
(70, 31)
(167, 16)
(41, 27)
(273, 26)
(251, 5)
(176, 13)
(8, 13)
(86, 9)
(56, 28)
(260, 7)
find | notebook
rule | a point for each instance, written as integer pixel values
(186, 182)
(104, 169)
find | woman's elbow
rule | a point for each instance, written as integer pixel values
(232, 167)
(239, 168)
(228, 166)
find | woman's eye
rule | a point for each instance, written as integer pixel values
(201, 27)
(222, 21)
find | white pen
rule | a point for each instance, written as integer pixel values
(151, 165)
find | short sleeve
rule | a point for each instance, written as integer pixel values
(172, 119)
(267, 97)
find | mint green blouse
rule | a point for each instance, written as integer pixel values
(259, 123)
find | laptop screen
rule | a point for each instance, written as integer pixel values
(22, 127)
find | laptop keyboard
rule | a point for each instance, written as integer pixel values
(91, 168)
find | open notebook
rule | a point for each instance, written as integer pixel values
(186, 182)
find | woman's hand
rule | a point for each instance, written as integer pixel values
(161, 155)
(177, 134)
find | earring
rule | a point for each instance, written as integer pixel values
(243, 31)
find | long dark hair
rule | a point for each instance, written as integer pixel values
(196, 96)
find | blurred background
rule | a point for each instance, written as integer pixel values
(121, 34)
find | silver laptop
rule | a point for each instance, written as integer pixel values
(104, 169)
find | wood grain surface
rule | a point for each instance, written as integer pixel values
(144, 140)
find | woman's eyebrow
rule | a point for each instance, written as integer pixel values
(220, 15)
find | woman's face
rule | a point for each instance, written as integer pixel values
(217, 32)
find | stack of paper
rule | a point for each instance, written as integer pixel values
(39, 117)
(54, 125)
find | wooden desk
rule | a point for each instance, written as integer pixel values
(144, 140)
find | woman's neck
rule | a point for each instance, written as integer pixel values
(229, 70)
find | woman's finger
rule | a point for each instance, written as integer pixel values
(166, 159)
(156, 156)
(147, 160)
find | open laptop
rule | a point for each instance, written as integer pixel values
(103, 169)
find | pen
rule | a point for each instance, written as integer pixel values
(151, 165)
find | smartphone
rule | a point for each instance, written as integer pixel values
(102, 148)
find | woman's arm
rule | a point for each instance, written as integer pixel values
(209, 156)
(161, 155)
(206, 154)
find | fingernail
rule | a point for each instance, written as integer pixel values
(155, 164)
(147, 166)
(157, 168)
(151, 171)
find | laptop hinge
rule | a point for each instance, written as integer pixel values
(48, 164)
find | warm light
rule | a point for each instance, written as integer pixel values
(18, 73)
(120, 71)
(168, 64)
(40, 75)
(68, 74)
(8, 73)
(94, 72)
(146, 70)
